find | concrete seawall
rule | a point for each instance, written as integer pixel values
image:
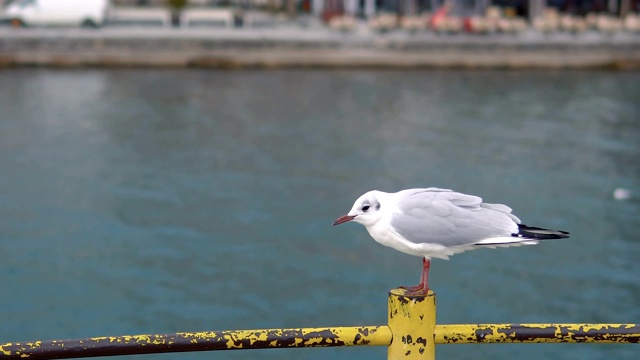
(273, 48)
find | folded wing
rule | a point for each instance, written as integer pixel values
(440, 216)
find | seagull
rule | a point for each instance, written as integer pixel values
(437, 223)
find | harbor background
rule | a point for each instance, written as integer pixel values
(339, 34)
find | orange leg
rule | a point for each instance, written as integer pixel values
(423, 287)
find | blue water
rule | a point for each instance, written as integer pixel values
(146, 201)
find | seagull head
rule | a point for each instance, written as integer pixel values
(366, 210)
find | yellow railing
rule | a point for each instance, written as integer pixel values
(411, 333)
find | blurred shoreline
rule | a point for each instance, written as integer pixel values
(296, 47)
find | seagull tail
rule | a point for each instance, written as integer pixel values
(527, 235)
(530, 232)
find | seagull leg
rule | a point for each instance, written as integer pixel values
(426, 265)
(423, 287)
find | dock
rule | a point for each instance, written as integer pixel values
(313, 47)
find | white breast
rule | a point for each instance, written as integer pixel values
(383, 233)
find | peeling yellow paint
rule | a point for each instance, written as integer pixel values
(230, 344)
(5, 352)
(411, 333)
(412, 320)
(537, 333)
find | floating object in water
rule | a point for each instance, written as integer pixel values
(621, 194)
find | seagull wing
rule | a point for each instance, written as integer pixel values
(449, 218)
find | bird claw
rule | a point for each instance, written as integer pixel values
(416, 290)
(411, 288)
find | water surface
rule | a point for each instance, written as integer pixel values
(140, 201)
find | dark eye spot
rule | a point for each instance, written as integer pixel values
(365, 208)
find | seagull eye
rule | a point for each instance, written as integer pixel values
(365, 208)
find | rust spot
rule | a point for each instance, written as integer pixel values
(404, 300)
(522, 333)
(361, 337)
(559, 333)
(481, 334)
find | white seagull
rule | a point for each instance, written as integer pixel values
(438, 223)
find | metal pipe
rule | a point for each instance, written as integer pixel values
(537, 333)
(198, 341)
(412, 320)
(412, 333)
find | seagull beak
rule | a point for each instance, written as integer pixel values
(343, 219)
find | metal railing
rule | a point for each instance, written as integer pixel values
(411, 333)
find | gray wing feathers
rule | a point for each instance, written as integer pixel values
(503, 209)
(450, 218)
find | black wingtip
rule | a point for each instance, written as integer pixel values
(537, 233)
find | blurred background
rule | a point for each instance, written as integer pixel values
(349, 16)
(159, 200)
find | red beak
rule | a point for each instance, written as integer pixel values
(343, 219)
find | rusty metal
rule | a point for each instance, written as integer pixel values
(411, 333)
(412, 319)
(198, 341)
(537, 333)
